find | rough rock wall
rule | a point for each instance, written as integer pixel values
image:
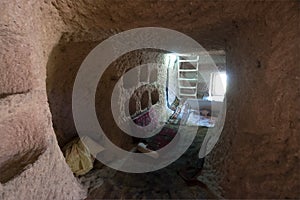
(173, 82)
(132, 88)
(32, 165)
(258, 153)
(30, 29)
(62, 67)
(63, 64)
(195, 18)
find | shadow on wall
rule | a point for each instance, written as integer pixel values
(17, 165)
(62, 68)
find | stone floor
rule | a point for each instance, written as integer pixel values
(106, 183)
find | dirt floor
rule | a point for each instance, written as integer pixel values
(106, 183)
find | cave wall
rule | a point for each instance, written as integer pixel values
(32, 165)
(148, 79)
(62, 67)
(258, 153)
(172, 83)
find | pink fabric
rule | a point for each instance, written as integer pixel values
(148, 121)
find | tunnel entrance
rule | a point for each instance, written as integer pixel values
(158, 100)
(257, 155)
